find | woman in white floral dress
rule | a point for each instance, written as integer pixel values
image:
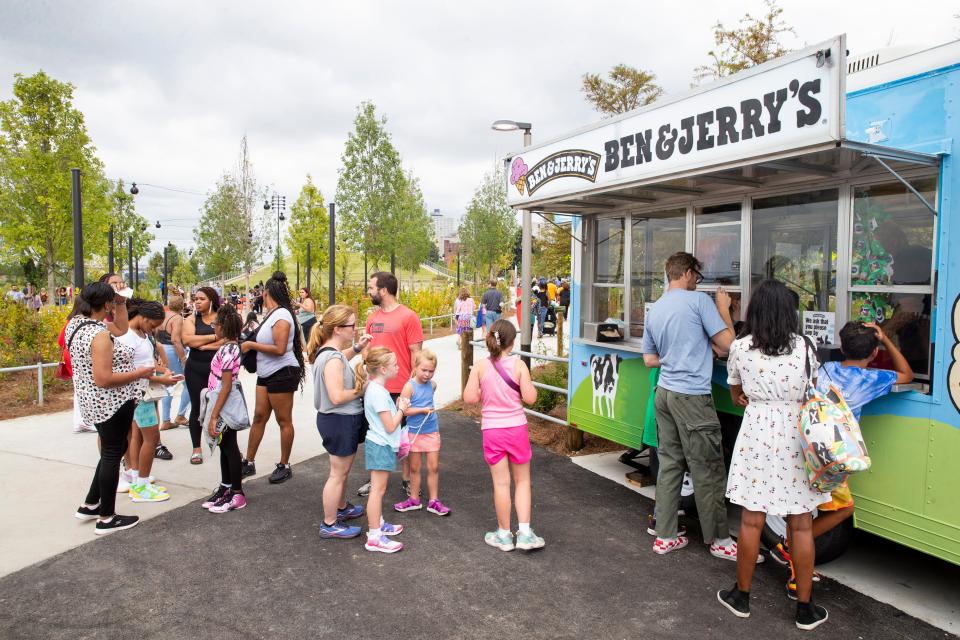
(767, 375)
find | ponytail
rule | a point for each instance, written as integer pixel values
(500, 338)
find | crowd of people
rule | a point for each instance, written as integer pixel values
(125, 354)
(386, 400)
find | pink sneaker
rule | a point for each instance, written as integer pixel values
(437, 507)
(383, 544)
(662, 546)
(729, 552)
(237, 501)
(410, 504)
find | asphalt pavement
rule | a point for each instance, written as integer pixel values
(264, 573)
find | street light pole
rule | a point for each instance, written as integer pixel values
(332, 281)
(110, 253)
(77, 230)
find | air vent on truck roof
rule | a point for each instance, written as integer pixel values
(876, 57)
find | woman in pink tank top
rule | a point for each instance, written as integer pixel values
(501, 384)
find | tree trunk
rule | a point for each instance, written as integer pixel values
(50, 261)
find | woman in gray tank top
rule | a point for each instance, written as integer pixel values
(338, 398)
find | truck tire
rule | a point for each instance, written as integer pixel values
(829, 546)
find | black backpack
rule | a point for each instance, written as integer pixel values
(249, 359)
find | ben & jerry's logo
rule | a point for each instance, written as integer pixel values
(573, 163)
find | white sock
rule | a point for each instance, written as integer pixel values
(504, 533)
(723, 542)
(381, 521)
(134, 476)
(524, 527)
(225, 485)
(374, 534)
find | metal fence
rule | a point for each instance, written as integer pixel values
(430, 319)
(39, 367)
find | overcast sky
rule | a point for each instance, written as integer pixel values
(169, 88)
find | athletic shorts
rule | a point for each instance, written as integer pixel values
(379, 457)
(340, 433)
(145, 415)
(285, 380)
(425, 442)
(513, 442)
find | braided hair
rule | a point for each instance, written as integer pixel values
(279, 291)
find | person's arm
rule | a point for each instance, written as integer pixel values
(722, 338)
(226, 386)
(190, 337)
(738, 396)
(310, 305)
(528, 392)
(471, 392)
(121, 320)
(161, 356)
(407, 392)
(900, 365)
(392, 421)
(281, 332)
(651, 357)
(175, 329)
(101, 351)
(651, 360)
(333, 383)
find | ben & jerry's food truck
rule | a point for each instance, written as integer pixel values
(834, 178)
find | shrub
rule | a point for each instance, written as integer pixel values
(28, 337)
(554, 374)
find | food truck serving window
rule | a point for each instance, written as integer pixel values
(653, 239)
(891, 269)
(717, 244)
(794, 240)
(608, 266)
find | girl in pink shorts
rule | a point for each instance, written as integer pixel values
(501, 384)
(424, 434)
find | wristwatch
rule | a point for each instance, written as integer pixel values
(357, 349)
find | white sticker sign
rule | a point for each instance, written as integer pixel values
(793, 102)
(820, 325)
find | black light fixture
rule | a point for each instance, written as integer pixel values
(133, 189)
(158, 224)
(266, 206)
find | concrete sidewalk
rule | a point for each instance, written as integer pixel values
(264, 573)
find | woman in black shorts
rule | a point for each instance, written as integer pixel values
(198, 335)
(280, 370)
(338, 398)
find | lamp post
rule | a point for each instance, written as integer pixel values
(279, 204)
(526, 244)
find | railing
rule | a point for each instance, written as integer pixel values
(39, 367)
(438, 268)
(432, 318)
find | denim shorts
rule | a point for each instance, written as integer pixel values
(145, 414)
(340, 433)
(379, 457)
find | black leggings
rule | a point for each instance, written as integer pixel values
(113, 444)
(195, 377)
(230, 460)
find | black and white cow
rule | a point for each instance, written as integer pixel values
(605, 372)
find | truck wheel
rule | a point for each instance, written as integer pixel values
(829, 546)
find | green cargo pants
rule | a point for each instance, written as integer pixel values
(688, 434)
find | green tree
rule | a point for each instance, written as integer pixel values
(414, 235)
(184, 272)
(627, 89)
(309, 222)
(488, 227)
(42, 137)
(254, 225)
(756, 41)
(220, 244)
(369, 186)
(552, 250)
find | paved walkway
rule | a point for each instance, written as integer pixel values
(264, 573)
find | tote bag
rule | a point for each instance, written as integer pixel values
(833, 447)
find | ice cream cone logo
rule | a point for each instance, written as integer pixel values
(518, 174)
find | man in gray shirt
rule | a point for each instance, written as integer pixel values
(680, 333)
(492, 302)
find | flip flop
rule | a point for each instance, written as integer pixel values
(196, 458)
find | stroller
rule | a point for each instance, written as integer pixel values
(550, 322)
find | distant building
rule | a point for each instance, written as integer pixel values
(444, 227)
(450, 248)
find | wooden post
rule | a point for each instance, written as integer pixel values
(466, 360)
(574, 438)
(559, 333)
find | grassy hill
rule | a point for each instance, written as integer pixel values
(355, 273)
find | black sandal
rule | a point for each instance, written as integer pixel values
(162, 453)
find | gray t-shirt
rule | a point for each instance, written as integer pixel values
(321, 400)
(267, 363)
(678, 328)
(492, 300)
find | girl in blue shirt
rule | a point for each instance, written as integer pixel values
(424, 434)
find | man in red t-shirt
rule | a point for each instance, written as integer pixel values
(396, 327)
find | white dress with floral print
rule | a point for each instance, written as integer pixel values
(766, 472)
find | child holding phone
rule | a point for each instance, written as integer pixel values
(382, 445)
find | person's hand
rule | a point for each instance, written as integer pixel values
(363, 341)
(212, 427)
(246, 346)
(145, 372)
(403, 404)
(881, 336)
(741, 399)
(165, 379)
(723, 299)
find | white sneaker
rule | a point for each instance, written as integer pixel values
(123, 485)
(84, 428)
